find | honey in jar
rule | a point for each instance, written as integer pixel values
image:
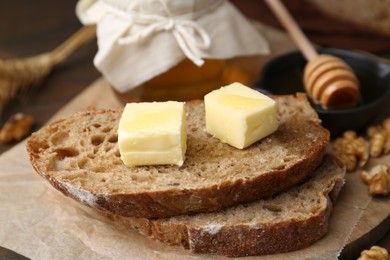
(186, 81)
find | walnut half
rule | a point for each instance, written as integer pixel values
(351, 150)
(378, 179)
(374, 253)
(379, 136)
(16, 128)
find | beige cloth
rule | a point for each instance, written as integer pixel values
(140, 39)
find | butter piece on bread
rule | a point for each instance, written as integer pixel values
(152, 133)
(240, 116)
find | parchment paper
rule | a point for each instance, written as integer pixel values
(38, 222)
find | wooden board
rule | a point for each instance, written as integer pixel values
(374, 225)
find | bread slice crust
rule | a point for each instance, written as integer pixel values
(290, 221)
(79, 156)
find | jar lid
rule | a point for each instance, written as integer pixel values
(138, 40)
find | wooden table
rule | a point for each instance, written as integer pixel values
(32, 27)
(28, 28)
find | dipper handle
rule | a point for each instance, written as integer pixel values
(328, 80)
(292, 28)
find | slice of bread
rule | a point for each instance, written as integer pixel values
(79, 156)
(290, 221)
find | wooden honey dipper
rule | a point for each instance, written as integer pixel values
(328, 80)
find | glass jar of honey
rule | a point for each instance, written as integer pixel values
(159, 50)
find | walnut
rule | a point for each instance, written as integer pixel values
(378, 179)
(374, 253)
(386, 124)
(379, 136)
(16, 128)
(351, 150)
(377, 139)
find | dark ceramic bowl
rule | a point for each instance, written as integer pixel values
(283, 75)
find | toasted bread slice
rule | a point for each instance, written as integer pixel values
(79, 156)
(290, 221)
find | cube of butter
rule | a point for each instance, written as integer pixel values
(152, 133)
(239, 115)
